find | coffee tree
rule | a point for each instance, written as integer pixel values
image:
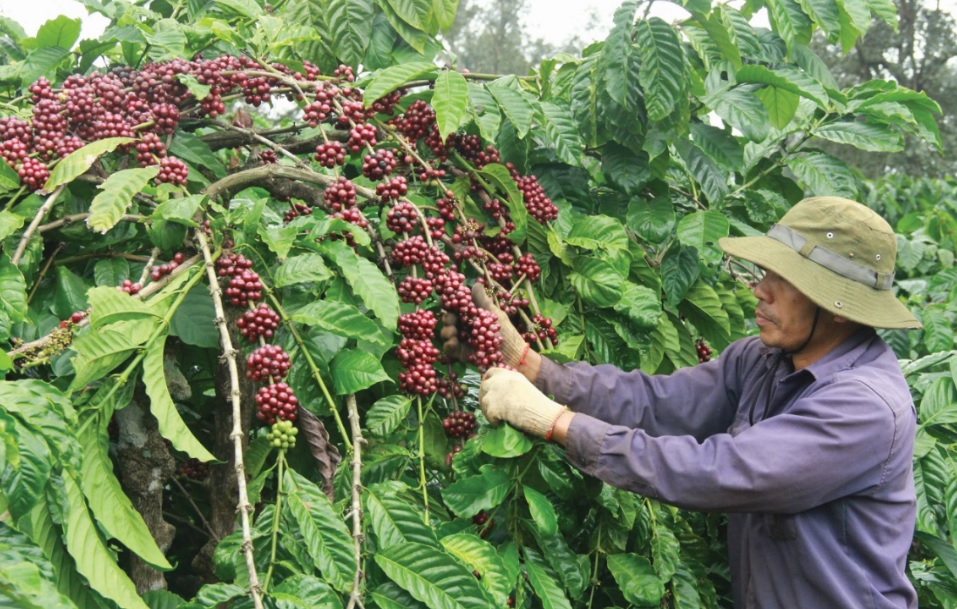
(230, 231)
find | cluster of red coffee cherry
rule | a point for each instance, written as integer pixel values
(703, 350)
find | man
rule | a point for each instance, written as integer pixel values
(804, 435)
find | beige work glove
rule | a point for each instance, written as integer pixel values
(506, 395)
(513, 345)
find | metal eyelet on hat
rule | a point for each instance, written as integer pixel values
(878, 256)
(838, 304)
(830, 235)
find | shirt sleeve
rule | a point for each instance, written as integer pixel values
(699, 401)
(830, 444)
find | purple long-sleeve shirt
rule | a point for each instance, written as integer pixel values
(814, 467)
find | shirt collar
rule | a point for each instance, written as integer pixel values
(839, 358)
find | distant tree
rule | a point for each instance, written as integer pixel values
(494, 37)
(921, 55)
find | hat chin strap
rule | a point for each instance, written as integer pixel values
(817, 315)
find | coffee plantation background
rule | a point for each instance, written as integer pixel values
(229, 229)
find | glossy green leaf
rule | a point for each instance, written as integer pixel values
(279, 239)
(431, 576)
(417, 13)
(304, 268)
(702, 230)
(350, 22)
(620, 58)
(387, 413)
(544, 581)
(415, 37)
(111, 271)
(562, 131)
(720, 146)
(42, 61)
(311, 590)
(639, 304)
(13, 290)
(939, 405)
(61, 31)
(99, 351)
(79, 161)
(22, 486)
(712, 179)
(9, 180)
(394, 77)
(513, 102)
(109, 305)
(781, 104)
(886, 10)
(466, 497)
(451, 102)
(194, 322)
(339, 318)
(787, 79)
(500, 178)
(596, 281)
(70, 295)
(354, 370)
(93, 558)
(627, 170)
(651, 220)
(938, 330)
(110, 505)
(119, 188)
(192, 149)
(824, 174)
(170, 422)
(679, 270)
(636, 578)
(665, 550)
(598, 232)
(323, 530)
(790, 21)
(181, 210)
(391, 596)
(740, 108)
(505, 442)
(542, 511)
(395, 520)
(368, 283)
(824, 13)
(662, 71)
(481, 556)
(866, 136)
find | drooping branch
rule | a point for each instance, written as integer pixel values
(229, 354)
(67, 220)
(41, 214)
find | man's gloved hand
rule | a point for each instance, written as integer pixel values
(513, 345)
(506, 395)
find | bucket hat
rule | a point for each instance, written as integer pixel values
(838, 253)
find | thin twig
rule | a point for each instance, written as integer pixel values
(209, 528)
(229, 354)
(355, 597)
(43, 271)
(41, 214)
(67, 220)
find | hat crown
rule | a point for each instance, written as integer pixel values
(846, 228)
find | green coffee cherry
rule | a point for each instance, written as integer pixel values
(282, 435)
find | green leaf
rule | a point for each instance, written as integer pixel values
(325, 533)
(824, 13)
(662, 72)
(598, 232)
(181, 210)
(544, 581)
(279, 239)
(740, 108)
(111, 272)
(824, 174)
(713, 180)
(790, 22)
(304, 268)
(636, 578)
(339, 318)
(451, 102)
(481, 556)
(9, 180)
(787, 79)
(13, 290)
(702, 230)
(513, 102)
(639, 304)
(940, 547)
(619, 60)
(367, 282)
(110, 505)
(100, 350)
(679, 270)
(886, 10)
(42, 62)
(629, 171)
(387, 413)
(194, 322)
(466, 497)
(938, 331)
(354, 371)
(94, 560)
(652, 220)
(596, 281)
(70, 293)
(428, 574)
(417, 13)
(170, 423)
(415, 37)
(781, 105)
(395, 520)
(79, 161)
(665, 550)
(350, 22)
(118, 191)
(866, 136)
(109, 306)
(389, 79)
(22, 486)
(542, 511)
(500, 177)
(702, 306)
(61, 32)
(561, 129)
(311, 590)
(505, 442)
(191, 149)
(245, 8)
(720, 146)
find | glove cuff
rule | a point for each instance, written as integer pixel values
(540, 419)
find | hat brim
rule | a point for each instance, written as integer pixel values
(832, 292)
